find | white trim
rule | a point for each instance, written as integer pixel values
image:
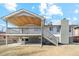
(22, 34)
(16, 12)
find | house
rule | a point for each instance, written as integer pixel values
(31, 28)
(76, 34)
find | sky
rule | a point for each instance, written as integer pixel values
(53, 12)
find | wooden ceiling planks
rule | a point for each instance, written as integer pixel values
(27, 19)
(13, 22)
(20, 21)
(24, 20)
(31, 20)
(37, 21)
(24, 17)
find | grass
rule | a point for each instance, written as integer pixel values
(64, 50)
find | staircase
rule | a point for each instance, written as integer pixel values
(50, 37)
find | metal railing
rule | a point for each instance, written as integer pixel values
(24, 30)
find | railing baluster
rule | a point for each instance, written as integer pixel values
(24, 30)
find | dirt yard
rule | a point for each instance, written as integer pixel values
(62, 50)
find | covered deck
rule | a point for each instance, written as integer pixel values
(26, 24)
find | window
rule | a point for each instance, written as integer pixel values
(69, 29)
(51, 28)
(26, 39)
(58, 28)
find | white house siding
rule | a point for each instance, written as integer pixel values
(57, 34)
(53, 31)
(2, 40)
(76, 32)
(34, 40)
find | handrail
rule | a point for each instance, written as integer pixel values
(24, 31)
(22, 28)
(50, 37)
(49, 32)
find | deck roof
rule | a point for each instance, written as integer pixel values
(23, 17)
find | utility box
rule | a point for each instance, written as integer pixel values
(64, 33)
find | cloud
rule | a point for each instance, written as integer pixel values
(43, 7)
(68, 18)
(33, 7)
(70, 21)
(56, 22)
(49, 9)
(55, 10)
(74, 18)
(10, 6)
(76, 11)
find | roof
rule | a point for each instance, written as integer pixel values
(23, 17)
(76, 27)
(59, 25)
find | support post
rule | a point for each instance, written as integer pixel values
(72, 35)
(24, 41)
(20, 40)
(6, 41)
(6, 33)
(41, 41)
(42, 25)
(41, 33)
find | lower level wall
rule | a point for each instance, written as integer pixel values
(34, 40)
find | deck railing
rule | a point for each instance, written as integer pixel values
(24, 31)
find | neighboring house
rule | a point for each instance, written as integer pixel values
(56, 29)
(30, 28)
(76, 34)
